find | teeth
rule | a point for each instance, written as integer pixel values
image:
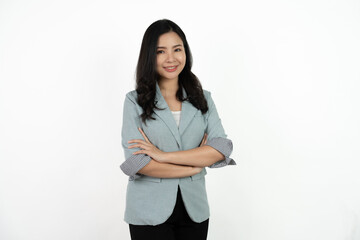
(170, 67)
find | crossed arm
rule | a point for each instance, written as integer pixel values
(153, 162)
(175, 164)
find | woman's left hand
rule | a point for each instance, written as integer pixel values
(148, 148)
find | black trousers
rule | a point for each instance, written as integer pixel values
(179, 226)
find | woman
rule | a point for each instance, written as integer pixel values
(171, 131)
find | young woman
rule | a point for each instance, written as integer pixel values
(171, 131)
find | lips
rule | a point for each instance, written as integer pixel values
(170, 68)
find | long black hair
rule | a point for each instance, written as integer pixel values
(147, 76)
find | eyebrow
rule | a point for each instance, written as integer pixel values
(178, 45)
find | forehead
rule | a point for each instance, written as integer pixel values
(169, 39)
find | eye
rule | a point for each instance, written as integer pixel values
(160, 51)
(178, 50)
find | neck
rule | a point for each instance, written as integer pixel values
(168, 87)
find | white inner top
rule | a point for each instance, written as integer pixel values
(176, 115)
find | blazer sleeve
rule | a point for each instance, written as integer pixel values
(131, 122)
(217, 137)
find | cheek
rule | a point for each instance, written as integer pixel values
(159, 68)
(183, 57)
(158, 62)
(183, 61)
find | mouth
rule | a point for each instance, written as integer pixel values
(170, 68)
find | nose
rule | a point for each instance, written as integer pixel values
(170, 57)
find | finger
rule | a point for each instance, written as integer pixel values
(205, 138)
(137, 141)
(137, 152)
(143, 146)
(135, 146)
(143, 134)
(140, 152)
(203, 141)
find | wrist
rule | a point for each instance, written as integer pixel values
(161, 157)
(168, 157)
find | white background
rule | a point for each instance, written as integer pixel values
(285, 79)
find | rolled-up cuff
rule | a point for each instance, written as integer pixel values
(224, 146)
(133, 164)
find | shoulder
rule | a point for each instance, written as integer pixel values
(131, 101)
(132, 96)
(207, 95)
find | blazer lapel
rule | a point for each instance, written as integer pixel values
(187, 113)
(166, 115)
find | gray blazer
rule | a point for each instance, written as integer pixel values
(149, 200)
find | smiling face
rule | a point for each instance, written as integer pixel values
(171, 57)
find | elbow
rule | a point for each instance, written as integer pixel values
(134, 163)
(125, 169)
(224, 147)
(216, 158)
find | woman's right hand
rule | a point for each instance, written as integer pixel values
(203, 141)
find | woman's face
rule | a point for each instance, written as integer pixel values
(171, 56)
